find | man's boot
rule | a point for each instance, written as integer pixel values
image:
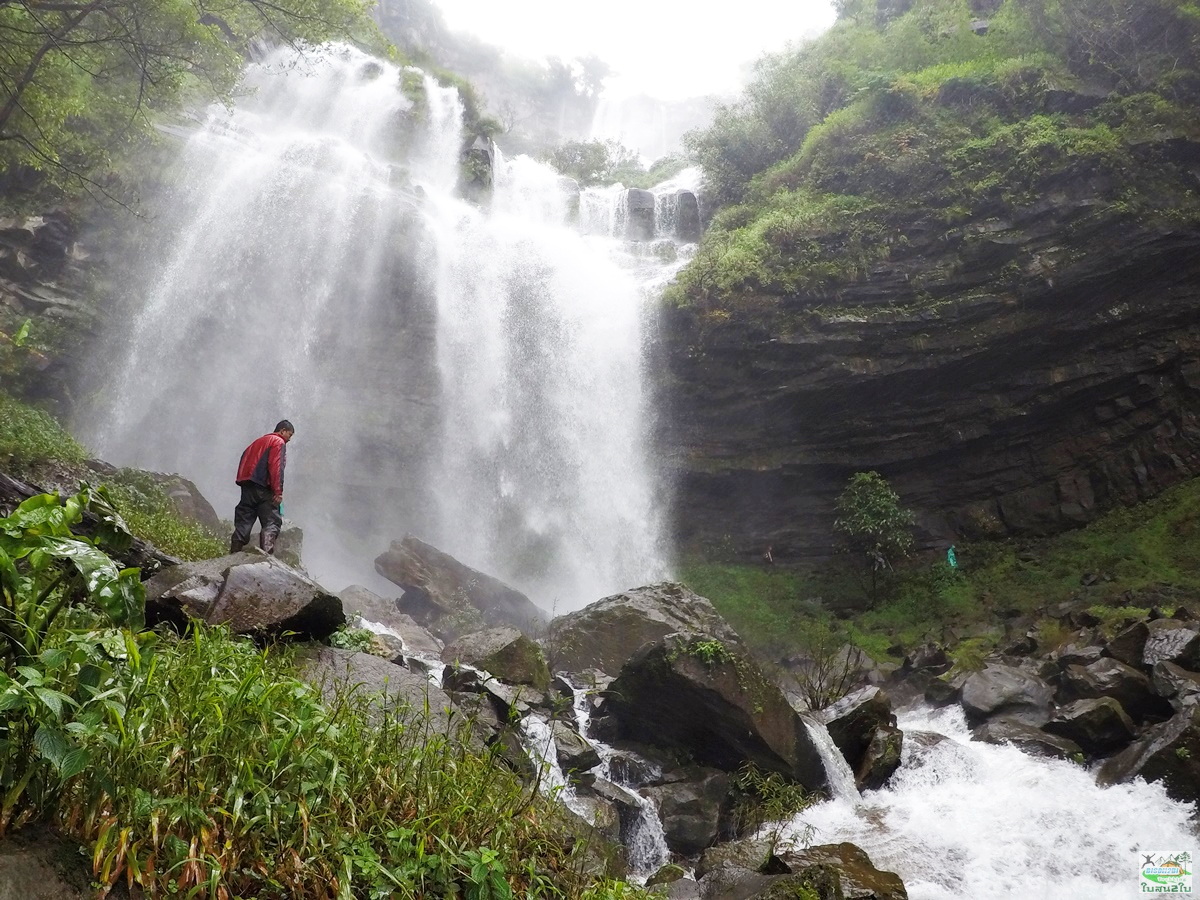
(236, 546)
(267, 541)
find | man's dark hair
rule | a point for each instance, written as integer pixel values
(285, 425)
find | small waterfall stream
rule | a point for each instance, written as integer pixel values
(840, 779)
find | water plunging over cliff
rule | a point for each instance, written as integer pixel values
(473, 377)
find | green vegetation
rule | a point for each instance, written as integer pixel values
(765, 797)
(202, 766)
(897, 122)
(29, 435)
(1136, 557)
(84, 80)
(874, 526)
(152, 516)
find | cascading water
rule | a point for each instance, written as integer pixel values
(471, 376)
(962, 818)
(839, 778)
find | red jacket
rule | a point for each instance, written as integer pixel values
(263, 463)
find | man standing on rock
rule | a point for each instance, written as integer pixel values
(260, 476)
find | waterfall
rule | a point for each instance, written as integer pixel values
(645, 840)
(472, 376)
(837, 771)
(962, 818)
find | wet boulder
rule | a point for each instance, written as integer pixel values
(1034, 741)
(252, 593)
(1108, 677)
(450, 598)
(1169, 640)
(687, 217)
(1179, 686)
(359, 601)
(1006, 690)
(1169, 752)
(692, 692)
(606, 634)
(575, 753)
(692, 806)
(1098, 726)
(860, 880)
(505, 653)
(337, 672)
(1129, 644)
(639, 215)
(863, 726)
(754, 854)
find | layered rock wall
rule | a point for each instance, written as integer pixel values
(1015, 377)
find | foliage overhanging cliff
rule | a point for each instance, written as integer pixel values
(952, 244)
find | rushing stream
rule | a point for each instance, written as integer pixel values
(470, 375)
(964, 819)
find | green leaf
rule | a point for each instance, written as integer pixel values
(74, 763)
(54, 700)
(52, 744)
(22, 334)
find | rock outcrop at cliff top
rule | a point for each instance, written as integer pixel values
(450, 598)
(1013, 376)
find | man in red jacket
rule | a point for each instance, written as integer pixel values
(260, 476)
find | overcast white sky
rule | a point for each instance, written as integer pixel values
(667, 48)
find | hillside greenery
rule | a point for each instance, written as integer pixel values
(1119, 566)
(927, 115)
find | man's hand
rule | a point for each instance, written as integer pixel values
(279, 499)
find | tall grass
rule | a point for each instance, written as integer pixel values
(225, 776)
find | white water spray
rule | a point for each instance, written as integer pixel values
(471, 376)
(967, 819)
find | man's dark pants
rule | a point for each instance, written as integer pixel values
(257, 503)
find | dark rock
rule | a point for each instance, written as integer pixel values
(251, 593)
(752, 853)
(943, 692)
(734, 884)
(606, 633)
(881, 759)
(1169, 753)
(575, 754)
(687, 217)
(505, 653)
(863, 727)
(639, 215)
(358, 601)
(719, 707)
(1129, 644)
(1112, 678)
(1178, 685)
(337, 672)
(810, 883)
(667, 874)
(928, 658)
(691, 808)
(449, 598)
(1034, 741)
(860, 880)
(1005, 690)
(1098, 726)
(36, 865)
(1169, 640)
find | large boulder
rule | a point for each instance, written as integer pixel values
(860, 880)
(607, 633)
(687, 217)
(639, 215)
(388, 686)
(575, 753)
(250, 592)
(1034, 741)
(1006, 690)
(359, 601)
(450, 598)
(1169, 753)
(1098, 726)
(503, 652)
(863, 727)
(1109, 677)
(1179, 686)
(691, 806)
(693, 692)
(1169, 640)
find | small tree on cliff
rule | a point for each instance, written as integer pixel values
(874, 525)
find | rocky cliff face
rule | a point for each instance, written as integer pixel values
(1014, 377)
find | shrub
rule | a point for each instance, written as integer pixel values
(29, 436)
